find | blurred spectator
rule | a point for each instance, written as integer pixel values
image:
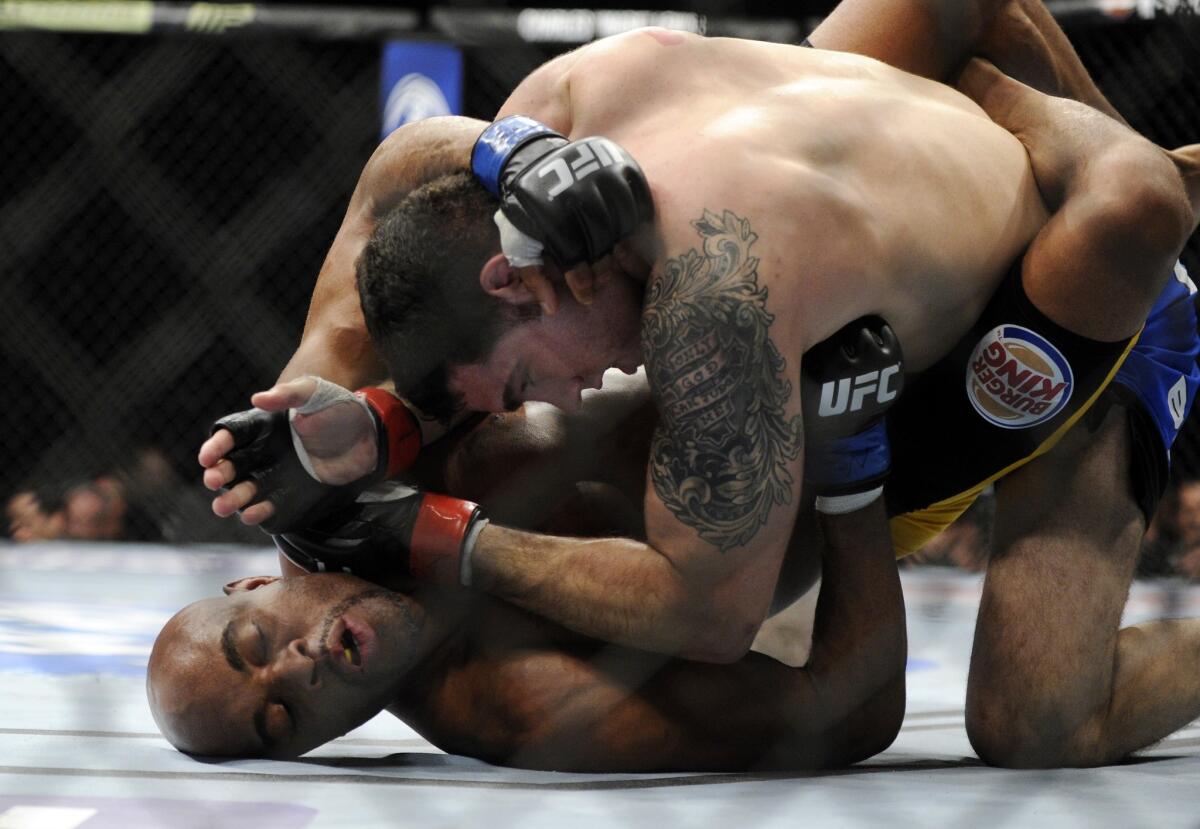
(1185, 558)
(99, 510)
(92, 513)
(1172, 543)
(34, 513)
(179, 508)
(965, 543)
(146, 501)
(1187, 513)
(1188, 564)
(1161, 539)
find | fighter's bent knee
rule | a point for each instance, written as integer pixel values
(1009, 738)
(1137, 196)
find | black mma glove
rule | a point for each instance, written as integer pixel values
(847, 383)
(388, 531)
(576, 199)
(267, 451)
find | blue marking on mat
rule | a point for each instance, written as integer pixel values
(71, 639)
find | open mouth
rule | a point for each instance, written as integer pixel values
(351, 644)
(350, 649)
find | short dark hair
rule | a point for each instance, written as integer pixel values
(418, 280)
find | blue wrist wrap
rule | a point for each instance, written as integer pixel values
(864, 456)
(497, 143)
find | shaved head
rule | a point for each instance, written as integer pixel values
(279, 666)
(184, 701)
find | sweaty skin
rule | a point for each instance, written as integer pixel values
(801, 221)
(829, 156)
(548, 96)
(261, 673)
(784, 188)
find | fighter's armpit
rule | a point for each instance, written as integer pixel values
(720, 458)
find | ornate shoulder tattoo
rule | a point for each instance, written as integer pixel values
(719, 458)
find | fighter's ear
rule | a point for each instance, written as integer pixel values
(502, 281)
(248, 583)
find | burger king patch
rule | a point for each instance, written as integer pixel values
(1016, 379)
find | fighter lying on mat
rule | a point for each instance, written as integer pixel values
(582, 611)
(269, 670)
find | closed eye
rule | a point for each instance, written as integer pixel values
(291, 719)
(264, 653)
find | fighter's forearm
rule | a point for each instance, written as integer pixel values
(335, 344)
(847, 702)
(860, 609)
(617, 590)
(631, 711)
(688, 716)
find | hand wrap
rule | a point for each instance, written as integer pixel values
(275, 457)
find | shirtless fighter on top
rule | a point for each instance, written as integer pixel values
(803, 221)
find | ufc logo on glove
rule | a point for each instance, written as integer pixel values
(849, 394)
(591, 155)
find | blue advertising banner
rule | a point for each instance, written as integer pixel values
(419, 80)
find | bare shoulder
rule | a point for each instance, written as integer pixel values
(765, 218)
(647, 43)
(546, 93)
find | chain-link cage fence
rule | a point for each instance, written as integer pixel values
(168, 198)
(167, 204)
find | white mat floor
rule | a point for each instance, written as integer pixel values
(78, 747)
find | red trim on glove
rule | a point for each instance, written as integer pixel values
(437, 538)
(401, 428)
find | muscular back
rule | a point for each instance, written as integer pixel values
(794, 191)
(879, 191)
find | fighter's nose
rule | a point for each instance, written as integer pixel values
(301, 664)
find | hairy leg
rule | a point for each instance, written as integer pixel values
(1053, 682)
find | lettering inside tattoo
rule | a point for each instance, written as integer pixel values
(719, 460)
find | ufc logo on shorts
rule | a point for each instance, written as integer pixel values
(590, 157)
(849, 393)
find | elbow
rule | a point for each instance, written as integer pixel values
(721, 633)
(719, 647)
(889, 706)
(873, 728)
(1140, 197)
